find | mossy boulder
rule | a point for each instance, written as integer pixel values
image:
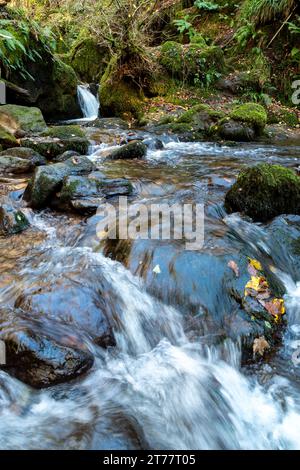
(18, 119)
(119, 97)
(7, 140)
(133, 150)
(250, 113)
(26, 154)
(64, 132)
(12, 220)
(264, 192)
(239, 82)
(194, 124)
(48, 179)
(201, 115)
(57, 140)
(59, 99)
(235, 131)
(15, 165)
(84, 194)
(88, 59)
(192, 62)
(171, 57)
(244, 123)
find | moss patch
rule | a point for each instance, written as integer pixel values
(119, 97)
(7, 140)
(199, 111)
(251, 113)
(64, 132)
(88, 59)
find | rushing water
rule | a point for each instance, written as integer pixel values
(167, 384)
(88, 103)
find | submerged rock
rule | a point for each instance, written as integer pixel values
(12, 220)
(47, 180)
(109, 123)
(38, 358)
(264, 192)
(26, 154)
(128, 151)
(76, 299)
(84, 194)
(19, 119)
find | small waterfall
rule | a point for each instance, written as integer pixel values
(88, 103)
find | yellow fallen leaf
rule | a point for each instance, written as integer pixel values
(256, 264)
(256, 283)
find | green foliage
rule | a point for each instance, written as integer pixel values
(196, 64)
(245, 33)
(206, 5)
(261, 12)
(183, 25)
(22, 40)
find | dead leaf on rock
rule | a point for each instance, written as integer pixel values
(260, 345)
(232, 265)
(276, 308)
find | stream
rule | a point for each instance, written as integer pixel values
(176, 378)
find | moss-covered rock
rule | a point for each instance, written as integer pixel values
(59, 99)
(201, 115)
(265, 191)
(235, 131)
(171, 57)
(84, 194)
(64, 132)
(192, 62)
(88, 59)
(251, 113)
(195, 124)
(26, 154)
(128, 152)
(57, 140)
(12, 220)
(48, 179)
(15, 165)
(119, 97)
(16, 119)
